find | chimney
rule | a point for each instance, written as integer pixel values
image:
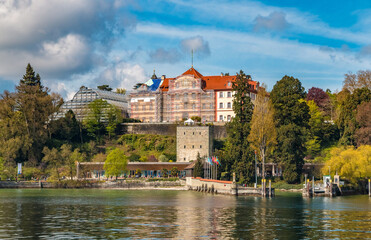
(163, 77)
(221, 74)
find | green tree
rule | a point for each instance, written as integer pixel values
(237, 155)
(35, 105)
(104, 87)
(174, 172)
(53, 159)
(115, 163)
(165, 173)
(347, 110)
(291, 117)
(263, 131)
(121, 91)
(198, 170)
(114, 118)
(353, 164)
(94, 121)
(67, 129)
(76, 156)
(363, 134)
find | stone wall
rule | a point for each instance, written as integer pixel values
(128, 184)
(169, 129)
(191, 140)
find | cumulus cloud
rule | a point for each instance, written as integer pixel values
(59, 38)
(122, 75)
(162, 55)
(365, 51)
(197, 44)
(274, 21)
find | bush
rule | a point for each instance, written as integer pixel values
(134, 158)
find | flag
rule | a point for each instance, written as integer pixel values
(217, 161)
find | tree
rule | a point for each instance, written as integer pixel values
(35, 106)
(198, 170)
(67, 129)
(263, 131)
(53, 159)
(360, 80)
(347, 109)
(114, 118)
(76, 156)
(196, 118)
(104, 87)
(121, 91)
(164, 172)
(291, 117)
(353, 164)
(115, 163)
(163, 158)
(174, 172)
(320, 98)
(94, 121)
(363, 134)
(65, 153)
(237, 155)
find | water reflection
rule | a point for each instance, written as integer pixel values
(113, 214)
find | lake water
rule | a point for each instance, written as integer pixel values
(113, 214)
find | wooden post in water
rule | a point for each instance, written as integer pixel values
(369, 187)
(313, 186)
(270, 189)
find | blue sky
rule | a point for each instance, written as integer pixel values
(86, 42)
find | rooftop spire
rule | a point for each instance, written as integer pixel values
(154, 74)
(192, 58)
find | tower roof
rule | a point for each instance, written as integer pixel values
(193, 72)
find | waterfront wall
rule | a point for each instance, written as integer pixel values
(225, 187)
(126, 184)
(168, 129)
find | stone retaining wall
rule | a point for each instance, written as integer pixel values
(93, 184)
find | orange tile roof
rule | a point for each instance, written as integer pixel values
(192, 72)
(212, 82)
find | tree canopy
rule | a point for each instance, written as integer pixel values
(291, 115)
(115, 163)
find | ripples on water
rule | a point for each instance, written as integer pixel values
(113, 214)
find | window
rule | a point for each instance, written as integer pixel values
(220, 94)
(221, 118)
(193, 84)
(211, 105)
(193, 95)
(176, 85)
(211, 118)
(150, 119)
(200, 146)
(252, 95)
(193, 146)
(185, 105)
(184, 133)
(229, 118)
(184, 146)
(193, 133)
(176, 106)
(229, 84)
(221, 105)
(193, 106)
(200, 133)
(177, 96)
(144, 119)
(229, 94)
(151, 107)
(229, 105)
(184, 159)
(185, 95)
(203, 106)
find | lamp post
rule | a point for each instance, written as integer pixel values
(256, 176)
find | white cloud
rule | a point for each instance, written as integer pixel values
(122, 75)
(162, 55)
(197, 44)
(274, 21)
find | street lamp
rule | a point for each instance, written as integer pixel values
(256, 176)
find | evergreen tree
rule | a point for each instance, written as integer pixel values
(198, 170)
(238, 157)
(30, 79)
(291, 117)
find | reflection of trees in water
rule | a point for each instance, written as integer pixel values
(21, 218)
(262, 218)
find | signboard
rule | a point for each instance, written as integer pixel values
(19, 168)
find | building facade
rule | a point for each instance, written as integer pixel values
(193, 140)
(190, 94)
